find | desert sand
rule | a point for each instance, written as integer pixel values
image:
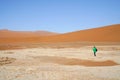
(68, 56)
(5, 33)
(109, 33)
(61, 63)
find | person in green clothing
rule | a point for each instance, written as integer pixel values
(94, 50)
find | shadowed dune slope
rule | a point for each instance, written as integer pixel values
(102, 34)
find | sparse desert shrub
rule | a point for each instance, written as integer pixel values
(6, 60)
(10, 52)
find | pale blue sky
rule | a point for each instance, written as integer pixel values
(58, 15)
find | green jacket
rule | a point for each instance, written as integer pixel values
(94, 49)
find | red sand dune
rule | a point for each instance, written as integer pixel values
(16, 34)
(102, 34)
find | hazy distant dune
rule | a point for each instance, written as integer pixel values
(16, 34)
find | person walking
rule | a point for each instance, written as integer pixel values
(94, 50)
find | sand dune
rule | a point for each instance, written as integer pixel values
(23, 34)
(103, 34)
(70, 59)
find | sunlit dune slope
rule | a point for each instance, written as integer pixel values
(102, 34)
(17, 34)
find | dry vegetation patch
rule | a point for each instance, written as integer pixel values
(6, 60)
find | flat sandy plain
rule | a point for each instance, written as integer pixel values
(74, 61)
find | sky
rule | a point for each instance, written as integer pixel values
(58, 15)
